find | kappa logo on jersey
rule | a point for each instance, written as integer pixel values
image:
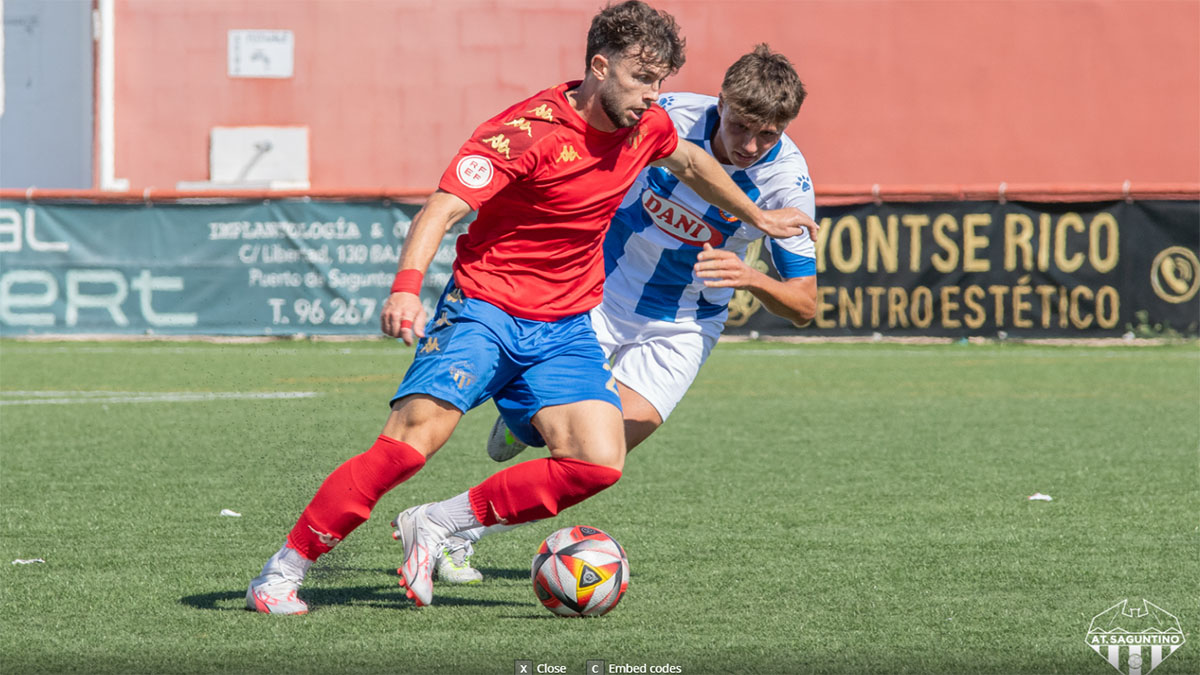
(431, 345)
(568, 154)
(474, 171)
(454, 296)
(1135, 636)
(543, 112)
(499, 143)
(679, 222)
(521, 124)
(443, 320)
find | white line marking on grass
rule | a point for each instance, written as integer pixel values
(66, 397)
(172, 351)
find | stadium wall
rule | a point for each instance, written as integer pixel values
(902, 93)
(985, 167)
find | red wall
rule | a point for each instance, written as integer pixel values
(901, 92)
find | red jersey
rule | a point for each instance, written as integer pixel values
(545, 185)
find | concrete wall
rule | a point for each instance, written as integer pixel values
(46, 118)
(900, 92)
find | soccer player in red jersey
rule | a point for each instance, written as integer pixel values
(546, 176)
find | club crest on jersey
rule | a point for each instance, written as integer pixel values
(474, 171)
(679, 222)
(635, 137)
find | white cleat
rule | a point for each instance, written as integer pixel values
(501, 444)
(274, 590)
(453, 564)
(422, 540)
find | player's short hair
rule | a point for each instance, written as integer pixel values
(763, 87)
(634, 24)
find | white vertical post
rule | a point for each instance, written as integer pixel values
(105, 110)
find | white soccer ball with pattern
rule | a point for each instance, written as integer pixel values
(580, 571)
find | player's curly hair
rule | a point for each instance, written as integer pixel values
(763, 87)
(635, 24)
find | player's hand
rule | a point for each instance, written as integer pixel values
(403, 316)
(723, 269)
(789, 222)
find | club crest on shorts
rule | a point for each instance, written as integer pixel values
(462, 375)
(1135, 639)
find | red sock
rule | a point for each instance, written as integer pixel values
(538, 489)
(345, 499)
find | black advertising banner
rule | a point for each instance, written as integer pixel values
(989, 268)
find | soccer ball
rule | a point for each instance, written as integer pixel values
(580, 571)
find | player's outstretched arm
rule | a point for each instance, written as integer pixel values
(699, 171)
(402, 315)
(793, 299)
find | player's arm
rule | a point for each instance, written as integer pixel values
(793, 299)
(403, 315)
(699, 171)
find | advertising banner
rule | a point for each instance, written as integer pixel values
(982, 268)
(243, 268)
(324, 267)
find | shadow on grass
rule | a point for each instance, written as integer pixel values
(506, 574)
(389, 596)
(535, 616)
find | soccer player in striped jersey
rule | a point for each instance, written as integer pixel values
(513, 324)
(673, 261)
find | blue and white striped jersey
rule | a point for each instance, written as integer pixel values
(662, 224)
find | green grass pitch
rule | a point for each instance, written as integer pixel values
(820, 508)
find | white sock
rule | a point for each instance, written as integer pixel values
(476, 533)
(453, 514)
(290, 563)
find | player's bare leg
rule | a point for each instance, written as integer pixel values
(640, 419)
(589, 431)
(587, 452)
(417, 426)
(640, 416)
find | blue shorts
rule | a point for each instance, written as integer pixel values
(473, 351)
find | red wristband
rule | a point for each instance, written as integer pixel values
(408, 281)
